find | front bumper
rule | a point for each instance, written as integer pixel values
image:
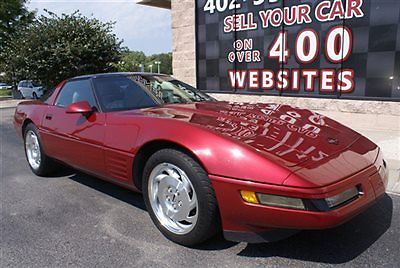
(248, 222)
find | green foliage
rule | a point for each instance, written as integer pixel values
(131, 61)
(54, 48)
(13, 15)
(5, 92)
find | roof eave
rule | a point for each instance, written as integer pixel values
(156, 3)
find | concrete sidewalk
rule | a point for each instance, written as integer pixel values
(9, 103)
(381, 128)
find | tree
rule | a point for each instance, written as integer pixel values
(54, 48)
(13, 15)
(131, 61)
(166, 62)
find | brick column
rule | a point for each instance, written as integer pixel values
(184, 40)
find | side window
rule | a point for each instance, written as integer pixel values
(76, 91)
(118, 93)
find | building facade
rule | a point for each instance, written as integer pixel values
(335, 55)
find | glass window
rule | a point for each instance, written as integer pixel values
(117, 93)
(169, 90)
(76, 91)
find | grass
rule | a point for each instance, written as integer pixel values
(5, 92)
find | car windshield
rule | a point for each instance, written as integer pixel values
(169, 90)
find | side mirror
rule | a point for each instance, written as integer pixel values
(82, 107)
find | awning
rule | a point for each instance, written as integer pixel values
(156, 3)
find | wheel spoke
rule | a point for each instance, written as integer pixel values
(172, 173)
(191, 219)
(192, 204)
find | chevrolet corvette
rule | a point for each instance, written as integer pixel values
(256, 172)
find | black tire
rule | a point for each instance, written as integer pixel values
(47, 165)
(34, 95)
(208, 221)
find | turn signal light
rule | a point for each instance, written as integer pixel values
(249, 197)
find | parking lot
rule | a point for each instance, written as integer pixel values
(76, 220)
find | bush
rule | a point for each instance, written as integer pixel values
(54, 48)
(5, 92)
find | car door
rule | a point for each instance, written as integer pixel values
(22, 88)
(117, 94)
(29, 89)
(75, 139)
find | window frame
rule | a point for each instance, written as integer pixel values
(97, 106)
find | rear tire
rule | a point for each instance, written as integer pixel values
(38, 161)
(179, 198)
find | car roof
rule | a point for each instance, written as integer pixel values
(114, 74)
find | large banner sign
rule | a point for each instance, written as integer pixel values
(329, 48)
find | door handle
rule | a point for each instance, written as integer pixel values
(49, 116)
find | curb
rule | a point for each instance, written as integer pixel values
(393, 193)
(9, 103)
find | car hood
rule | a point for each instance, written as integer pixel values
(288, 135)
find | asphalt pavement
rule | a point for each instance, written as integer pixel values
(76, 220)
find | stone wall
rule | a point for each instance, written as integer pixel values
(184, 40)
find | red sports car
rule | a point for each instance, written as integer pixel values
(259, 172)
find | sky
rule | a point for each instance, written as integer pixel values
(141, 28)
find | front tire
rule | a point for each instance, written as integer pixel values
(179, 198)
(38, 161)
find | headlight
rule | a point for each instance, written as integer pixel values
(280, 201)
(343, 197)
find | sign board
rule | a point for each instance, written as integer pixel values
(320, 48)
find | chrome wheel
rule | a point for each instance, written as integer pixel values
(173, 198)
(32, 148)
